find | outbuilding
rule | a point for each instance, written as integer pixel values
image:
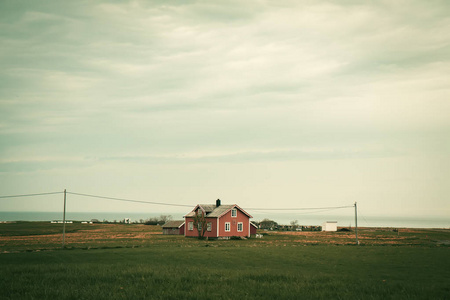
(329, 226)
(174, 227)
(253, 228)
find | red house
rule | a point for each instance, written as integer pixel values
(223, 221)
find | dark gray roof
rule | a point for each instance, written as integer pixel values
(220, 210)
(214, 212)
(173, 224)
(208, 207)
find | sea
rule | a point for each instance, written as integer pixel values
(344, 220)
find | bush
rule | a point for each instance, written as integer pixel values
(151, 222)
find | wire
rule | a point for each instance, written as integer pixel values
(312, 208)
(129, 200)
(171, 204)
(184, 205)
(30, 195)
(313, 212)
(359, 214)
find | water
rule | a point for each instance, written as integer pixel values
(343, 220)
(77, 216)
(363, 221)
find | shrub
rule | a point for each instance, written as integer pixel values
(151, 222)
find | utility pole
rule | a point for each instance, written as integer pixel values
(64, 220)
(356, 224)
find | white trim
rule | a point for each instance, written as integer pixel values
(189, 226)
(229, 227)
(242, 227)
(235, 210)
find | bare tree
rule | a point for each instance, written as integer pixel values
(200, 223)
(163, 219)
(294, 224)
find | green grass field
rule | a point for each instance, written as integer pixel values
(173, 267)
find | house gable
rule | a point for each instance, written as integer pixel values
(220, 212)
(238, 225)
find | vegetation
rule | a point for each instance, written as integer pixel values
(267, 224)
(163, 219)
(294, 225)
(200, 223)
(108, 261)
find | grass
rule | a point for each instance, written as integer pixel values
(278, 266)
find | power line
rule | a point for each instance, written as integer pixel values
(30, 195)
(315, 211)
(359, 212)
(172, 204)
(129, 200)
(303, 208)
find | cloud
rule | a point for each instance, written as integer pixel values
(269, 155)
(196, 82)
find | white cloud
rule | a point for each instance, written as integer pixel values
(201, 83)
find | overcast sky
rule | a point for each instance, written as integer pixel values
(261, 103)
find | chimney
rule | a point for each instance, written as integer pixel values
(217, 202)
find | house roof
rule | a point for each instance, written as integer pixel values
(213, 211)
(173, 224)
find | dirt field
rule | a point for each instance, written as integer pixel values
(29, 236)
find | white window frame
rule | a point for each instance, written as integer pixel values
(208, 226)
(227, 227)
(234, 212)
(191, 226)
(240, 224)
(199, 226)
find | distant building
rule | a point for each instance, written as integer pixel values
(329, 226)
(174, 228)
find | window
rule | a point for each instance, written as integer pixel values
(240, 227)
(199, 226)
(234, 212)
(208, 226)
(191, 226)
(227, 226)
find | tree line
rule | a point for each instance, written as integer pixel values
(161, 220)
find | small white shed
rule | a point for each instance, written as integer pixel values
(329, 226)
